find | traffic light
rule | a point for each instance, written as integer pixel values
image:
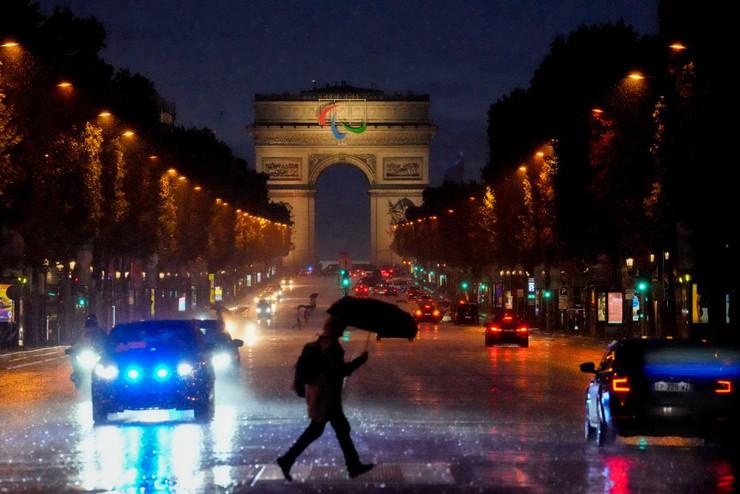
(547, 294)
(464, 285)
(343, 273)
(642, 286)
(345, 282)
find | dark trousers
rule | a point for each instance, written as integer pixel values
(341, 427)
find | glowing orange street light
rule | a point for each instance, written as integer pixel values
(218, 200)
(129, 134)
(523, 169)
(105, 114)
(65, 85)
(635, 76)
(597, 112)
(10, 44)
(153, 157)
(450, 211)
(182, 178)
(171, 171)
(197, 188)
(225, 203)
(677, 46)
(540, 154)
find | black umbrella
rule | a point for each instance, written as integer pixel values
(387, 320)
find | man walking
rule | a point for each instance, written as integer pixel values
(324, 401)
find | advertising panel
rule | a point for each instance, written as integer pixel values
(614, 307)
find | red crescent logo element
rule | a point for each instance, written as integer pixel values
(324, 111)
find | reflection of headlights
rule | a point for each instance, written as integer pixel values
(184, 369)
(107, 372)
(268, 310)
(230, 327)
(87, 359)
(256, 299)
(221, 360)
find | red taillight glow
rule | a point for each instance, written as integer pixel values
(523, 329)
(436, 312)
(494, 329)
(418, 312)
(621, 385)
(508, 318)
(723, 387)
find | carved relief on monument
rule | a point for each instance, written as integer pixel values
(318, 162)
(397, 211)
(282, 168)
(407, 168)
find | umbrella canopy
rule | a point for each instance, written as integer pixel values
(387, 320)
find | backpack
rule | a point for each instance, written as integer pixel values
(307, 368)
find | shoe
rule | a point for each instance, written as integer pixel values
(285, 467)
(360, 469)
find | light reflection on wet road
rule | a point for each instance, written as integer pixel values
(442, 414)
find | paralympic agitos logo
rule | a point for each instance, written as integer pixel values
(330, 110)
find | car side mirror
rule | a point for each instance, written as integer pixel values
(237, 343)
(588, 368)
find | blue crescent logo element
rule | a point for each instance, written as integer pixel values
(334, 130)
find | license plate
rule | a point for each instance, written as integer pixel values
(672, 387)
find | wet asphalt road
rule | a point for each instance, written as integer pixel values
(441, 414)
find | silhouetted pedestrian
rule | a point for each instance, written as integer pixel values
(324, 401)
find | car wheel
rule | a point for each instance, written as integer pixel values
(589, 431)
(604, 434)
(204, 410)
(99, 414)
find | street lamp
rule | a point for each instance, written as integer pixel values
(523, 169)
(635, 76)
(10, 44)
(65, 85)
(629, 262)
(105, 114)
(677, 46)
(129, 134)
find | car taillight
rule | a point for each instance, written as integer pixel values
(621, 385)
(723, 387)
(523, 329)
(494, 329)
(436, 312)
(418, 312)
(427, 307)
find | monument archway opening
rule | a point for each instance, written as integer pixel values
(385, 136)
(342, 213)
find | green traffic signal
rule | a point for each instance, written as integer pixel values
(345, 282)
(464, 285)
(642, 286)
(547, 294)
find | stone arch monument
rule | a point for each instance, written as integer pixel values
(386, 136)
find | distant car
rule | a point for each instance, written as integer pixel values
(264, 310)
(412, 292)
(362, 290)
(425, 298)
(466, 313)
(507, 328)
(390, 291)
(153, 365)
(428, 312)
(224, 349)
(660, 387)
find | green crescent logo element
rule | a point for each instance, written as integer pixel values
(331, 108)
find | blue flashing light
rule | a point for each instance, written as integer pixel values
(161, 373)
(133, 374)
(693, 369)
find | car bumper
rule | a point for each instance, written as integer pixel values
(145, 396)
(507, 337)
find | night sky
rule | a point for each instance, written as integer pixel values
(210, 56)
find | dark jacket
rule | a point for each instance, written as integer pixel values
(324, 396)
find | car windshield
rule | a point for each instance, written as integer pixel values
(153, 334)
(679, 358)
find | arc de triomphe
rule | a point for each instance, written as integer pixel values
(299, 136)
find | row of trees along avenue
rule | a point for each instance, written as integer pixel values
(608, 173)
(107, 207)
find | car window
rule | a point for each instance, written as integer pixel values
(607, 362)
(139, 336)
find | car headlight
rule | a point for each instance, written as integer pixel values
(162, 373)
(221, 361)
(87, 358)
(184, 369)
(268, 310)
(107, 372)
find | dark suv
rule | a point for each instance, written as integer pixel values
(154, 365)
(466, 313)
